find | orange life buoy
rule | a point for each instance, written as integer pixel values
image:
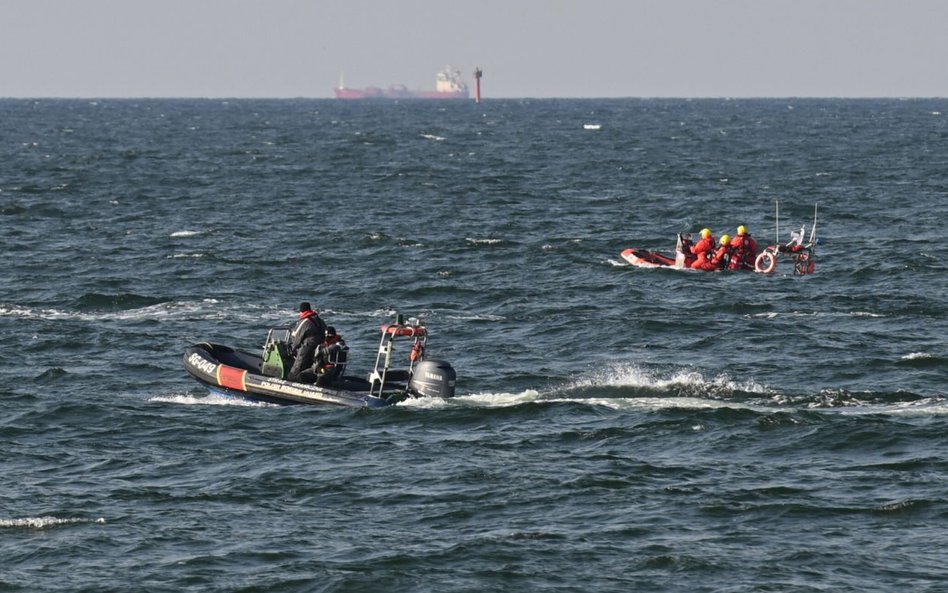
(403, 330)
(765, 262)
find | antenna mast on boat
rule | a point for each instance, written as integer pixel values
(813, 230)
(777, 221)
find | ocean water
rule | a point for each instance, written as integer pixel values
(615, 429)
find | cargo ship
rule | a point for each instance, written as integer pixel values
(448, 85)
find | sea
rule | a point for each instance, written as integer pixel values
(615, 428)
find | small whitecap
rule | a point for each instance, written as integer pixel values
(185, 233)
(47, 521)
(476, 317)
(14, 311)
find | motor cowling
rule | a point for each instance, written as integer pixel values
(433, 378)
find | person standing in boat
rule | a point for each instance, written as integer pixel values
(745, 250)
(704, 251)
(306, 336)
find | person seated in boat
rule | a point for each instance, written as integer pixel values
(331, 358)
(308, 333)
(328, 362)
(703, 251)
(745, 250)
(722, 257)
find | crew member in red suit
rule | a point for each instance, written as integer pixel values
(703, 251)
(722, 257)
(745, 250)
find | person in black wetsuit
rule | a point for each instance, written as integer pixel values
(331, 358)
(329, 361)
(306, 336)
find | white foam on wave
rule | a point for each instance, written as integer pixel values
(483, 241)
(157, 311)
(666, 403)
(211, 399)
(433, 137)
(185, 233)
(623, 374)
(648, 404)
(475, 400)
(774, 315)
(15, 311)
(470, 316)
(936, 406)
(44, 522)
(917, 356)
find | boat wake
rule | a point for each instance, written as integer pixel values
(681, 382)
(626, 386)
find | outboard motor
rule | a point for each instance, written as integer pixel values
(433, 378)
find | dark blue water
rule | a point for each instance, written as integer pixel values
(616, 428)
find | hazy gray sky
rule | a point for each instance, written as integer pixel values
(527, 48)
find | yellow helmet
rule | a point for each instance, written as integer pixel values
(742, 230)
(725, 239)
(705, 233)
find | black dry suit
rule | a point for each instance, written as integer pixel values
(308, 334)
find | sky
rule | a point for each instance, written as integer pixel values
(526, 48)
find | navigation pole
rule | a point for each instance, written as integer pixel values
(477, 86)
